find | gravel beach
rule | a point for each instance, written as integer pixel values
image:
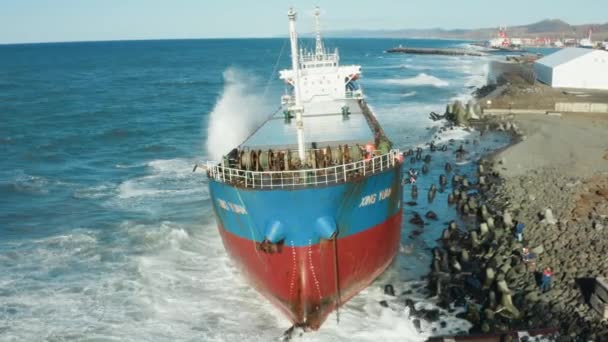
(574, 144)
(561, 164)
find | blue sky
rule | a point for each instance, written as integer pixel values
(77, 20)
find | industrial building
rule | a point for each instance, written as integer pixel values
(574, 68)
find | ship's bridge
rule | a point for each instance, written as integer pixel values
(323, 79)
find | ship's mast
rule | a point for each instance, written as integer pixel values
(295, 64)
(319, 51)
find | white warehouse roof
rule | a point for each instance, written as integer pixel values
(563, 56)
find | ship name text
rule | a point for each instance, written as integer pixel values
(373, 198)
(228, 206)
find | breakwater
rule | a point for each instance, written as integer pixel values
(480, 270)
(497, 276)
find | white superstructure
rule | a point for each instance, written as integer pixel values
(319, 76)
(320, 84)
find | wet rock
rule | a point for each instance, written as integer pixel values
(389, 290)
(431, 315)
(417, 220)
(425, 169)
(411, 305)
(383, 303)
(416, 323)
(431, 215)
(431, 194)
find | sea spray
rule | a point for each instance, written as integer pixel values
(238, 112)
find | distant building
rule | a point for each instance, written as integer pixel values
(574, 68)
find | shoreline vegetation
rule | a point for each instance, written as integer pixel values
(553, 179)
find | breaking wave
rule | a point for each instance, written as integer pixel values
(421, 79)
(238, 112)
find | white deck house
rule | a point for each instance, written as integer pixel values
(574, 68)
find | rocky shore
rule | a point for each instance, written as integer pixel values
(562, 202)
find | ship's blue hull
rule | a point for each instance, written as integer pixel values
(309, 249)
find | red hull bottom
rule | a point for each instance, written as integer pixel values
(307, 283)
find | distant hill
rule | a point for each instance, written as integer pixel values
(549, 28)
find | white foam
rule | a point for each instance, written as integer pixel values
(96, 192)
(167, 181)
(421, 79)
(239, 111)
(458, 134)
(364, 319)
(27, 183)
(409, 94)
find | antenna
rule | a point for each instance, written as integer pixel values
(295, 64)
(319, 43)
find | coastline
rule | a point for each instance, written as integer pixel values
(553, 162)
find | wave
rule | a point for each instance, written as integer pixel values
(168, 184)
(239, 111)
(18, 181)
(421, 79)
(96, 192)
(409, 94)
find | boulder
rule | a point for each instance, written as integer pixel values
(490, 222)
(548, 217)
(507, 219)
(483, 229)
(538, 249)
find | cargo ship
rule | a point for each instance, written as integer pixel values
(309, 205)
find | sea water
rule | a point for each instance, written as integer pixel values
(107, 235)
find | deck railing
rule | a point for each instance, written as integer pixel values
(302, 178)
